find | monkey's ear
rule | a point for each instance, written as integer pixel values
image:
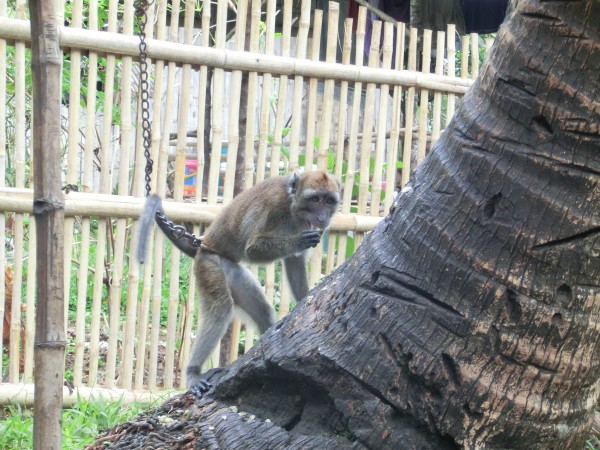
(293, 184)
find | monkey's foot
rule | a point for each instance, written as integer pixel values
(201, 386)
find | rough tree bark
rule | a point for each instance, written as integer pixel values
(469, 317)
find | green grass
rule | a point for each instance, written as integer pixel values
(82, 423)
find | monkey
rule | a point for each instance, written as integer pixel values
(279, 218)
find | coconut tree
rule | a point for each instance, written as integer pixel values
(469, 317)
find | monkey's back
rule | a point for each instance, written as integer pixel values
(255, 211)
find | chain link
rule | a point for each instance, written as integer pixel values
(178, 232)
(141, 12)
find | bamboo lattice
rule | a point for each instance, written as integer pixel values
(311, 95)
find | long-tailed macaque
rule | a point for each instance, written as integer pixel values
(279, 218)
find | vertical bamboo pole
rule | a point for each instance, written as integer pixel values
(30, 304)
(235, 93)
(384, 92)
(252, 95)
(311, 113)
(325, 129)
(341, 140)
(367, 130)
(297, 118)
(451, 69)
(49, 211)
(410, 109)
(144, 306)
(90, 133)
(265, 101)
(182, 126)
(437, 96)
(73, 150)
(171, 336)
(282, 92)
(3, 13)
(114, 300)
(353, 130)
(126, 376)
(217, 107)
(464, 60)
(160, 140)
(19, 228)
(424, 108)
(392, 158)
(474, 55)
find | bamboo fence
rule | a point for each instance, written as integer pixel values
(311, 98)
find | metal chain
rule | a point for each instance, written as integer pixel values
(141, 12)
(178, 232)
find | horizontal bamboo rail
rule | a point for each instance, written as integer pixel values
(22, 394)
(121, 206)
(118, 44)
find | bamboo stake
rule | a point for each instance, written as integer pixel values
(311, 112)
(50, 336)
(265, 101)
(474, 55)
(353, 130)
(171, 337)
(144, 306)
(90, 134)
(30, 304)
(341, 138)
(3, 12)
(282, 93)
(464, 60)
(489, 41)
(72, 152)
(392, 158)
(297, 118)
(367, 131)
(325, 124)
(127, 357)
(384, 92)
(187, 320)
(252, 95)
(410, 108)
(87, 182)
(114, 300)
(451, 54)
(159, 139)
(236, 326)
(424, 108)
(234, 107)
(437, 96)
(15, 329)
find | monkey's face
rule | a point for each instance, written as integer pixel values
(317, 207)
(315, 196)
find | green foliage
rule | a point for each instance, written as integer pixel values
(81, 424)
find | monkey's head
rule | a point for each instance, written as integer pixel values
(315, 196)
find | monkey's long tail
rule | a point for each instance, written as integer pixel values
(152, 205)
(177, 234)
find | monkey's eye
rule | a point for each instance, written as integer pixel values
(329, 200)
(314, 198)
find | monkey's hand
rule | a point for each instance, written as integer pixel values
(309, 238)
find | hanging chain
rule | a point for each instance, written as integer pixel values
(178, 232)
(141, 12)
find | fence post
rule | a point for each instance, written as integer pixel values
(48, 208)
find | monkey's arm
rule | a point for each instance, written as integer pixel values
(295, 269)
(265, 248)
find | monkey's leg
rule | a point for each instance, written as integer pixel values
(215, 311)
(295, 269)
(247, 293)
